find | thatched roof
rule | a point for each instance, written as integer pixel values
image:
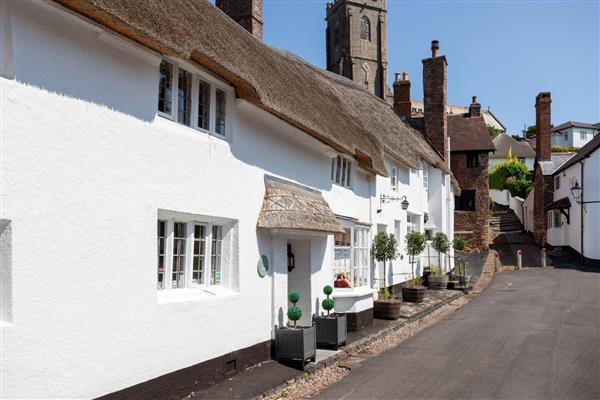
(331, 109)
(290, 206)
(518, 148)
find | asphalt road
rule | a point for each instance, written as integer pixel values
(533, 334)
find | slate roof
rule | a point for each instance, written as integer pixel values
(335, 111)
(556, 161)
(518, 148)
(576, 124)
(582, 153)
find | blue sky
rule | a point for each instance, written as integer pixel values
(505, 52)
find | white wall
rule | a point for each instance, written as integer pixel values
(528, 212)
(571, 137)
(86, 166)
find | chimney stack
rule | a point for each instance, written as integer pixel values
(434, 100)
(402, 103)
(247, 13)
(474, 108)
(543, 147)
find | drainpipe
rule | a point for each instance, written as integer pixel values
(581, 211)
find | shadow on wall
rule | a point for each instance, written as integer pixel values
(77, 64)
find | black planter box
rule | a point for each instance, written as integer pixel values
(331, 330)
(298, 344)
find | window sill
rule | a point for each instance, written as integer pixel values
(194, 294)
(170, 120)
(353, 292)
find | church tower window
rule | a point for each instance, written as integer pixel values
(365, 28)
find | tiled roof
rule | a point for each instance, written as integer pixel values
(576, 124)
(469, 134)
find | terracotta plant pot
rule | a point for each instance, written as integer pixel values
(386, 309)
(414, 294)
(438, 282)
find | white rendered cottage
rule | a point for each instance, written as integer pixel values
(154, 187)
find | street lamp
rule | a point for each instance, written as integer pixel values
(577, 192)
(384, 198)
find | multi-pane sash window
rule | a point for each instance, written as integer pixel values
(426, 178)
(165, 88)
(189, 252)
(351, 256)
(582, 135)
(394, 178)
(204, 105)
(221, 110)
(199, 254)
(341, 171)
(557, 182)
(192, 100)
(472, 159)
(184, 97)
(161, 246)
(215, 269)
(554, 219)
(178, 264)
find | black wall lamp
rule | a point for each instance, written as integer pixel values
(384, 198)
(291, 258)
(577, 192)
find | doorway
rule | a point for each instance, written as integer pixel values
(299, 277)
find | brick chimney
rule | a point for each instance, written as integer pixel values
(402, 104)
(434, 99)
(543, 147)
(474, 108)
(247, 13)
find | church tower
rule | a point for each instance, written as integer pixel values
(357, 44)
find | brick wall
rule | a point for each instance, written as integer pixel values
(247, 13)
(477, 221)
(542, 196)
(434, 94)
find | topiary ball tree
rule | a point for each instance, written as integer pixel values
(441, 244)
(415, 244)
(294, 313)
(328, 303)
(383, 249)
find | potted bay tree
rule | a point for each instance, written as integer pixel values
(295, 343)
(384, 249)
(438, 280)
(460, 271)
(331, 328)
(412, 290)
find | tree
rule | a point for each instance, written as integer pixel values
(529, 132)
(384, 249)
(415, 244)
(441, 244)
(494, 131)
(511, 175)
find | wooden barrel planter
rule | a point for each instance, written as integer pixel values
(438, 282)
(386, 309)
(413, 294)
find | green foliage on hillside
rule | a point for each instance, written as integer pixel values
(512, 175)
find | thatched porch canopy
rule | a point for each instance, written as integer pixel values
(290, 206)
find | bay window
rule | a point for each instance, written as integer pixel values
(351, 257)
(192, 99)
(189, 252)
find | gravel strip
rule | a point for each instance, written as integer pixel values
(312, 383)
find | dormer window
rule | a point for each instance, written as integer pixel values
(341, 171)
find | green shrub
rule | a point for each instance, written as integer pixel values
(519, 187)
(294, 297)
(327, 290)
(561, 149)
(384, 248)
(459, 243)
(500, 174)
(328, 305)
(385, 294)
(294, 313)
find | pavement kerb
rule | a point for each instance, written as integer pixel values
(359, 345)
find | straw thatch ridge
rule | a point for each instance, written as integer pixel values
(290, 206)
(341, 115)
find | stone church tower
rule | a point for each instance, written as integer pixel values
(357, 44)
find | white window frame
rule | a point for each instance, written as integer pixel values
(426, 178)
(557, 182)
(359, 271)
(554, 219)
(215, 84)
(189, 254)
(347, 173)
(583, 135)
(394, 178)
